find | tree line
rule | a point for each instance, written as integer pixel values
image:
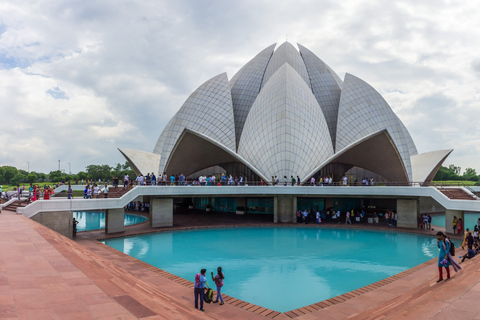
(11, 175)
(453, 172)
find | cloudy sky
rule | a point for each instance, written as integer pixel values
(80, 78)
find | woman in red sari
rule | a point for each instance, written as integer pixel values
(46, 195)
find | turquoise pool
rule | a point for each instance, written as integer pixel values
(92, 220)
(282, 268)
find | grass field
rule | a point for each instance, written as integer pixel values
(455, 183)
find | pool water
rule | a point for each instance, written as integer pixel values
(93, 220)
(282, 268)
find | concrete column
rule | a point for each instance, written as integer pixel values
(284, 208)
(407, 213)
(449, 214)
(328, 203)
(161, 212)
(59, 221)
(114, 220)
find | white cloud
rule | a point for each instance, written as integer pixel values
(80, 78)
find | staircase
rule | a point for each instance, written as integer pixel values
(12, 207)
(116, 193)
(456, 194)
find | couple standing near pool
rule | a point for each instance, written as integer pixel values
(201, 286)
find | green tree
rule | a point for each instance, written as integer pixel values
(2, 175)
(18, 179)
(445, 173)
(32, 177)
(82, 175)
(42, 176)
(55, 176)
(96, 172)
(10, 172)
(455, 169)
(470, 174)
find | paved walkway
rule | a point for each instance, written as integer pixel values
(44, 275)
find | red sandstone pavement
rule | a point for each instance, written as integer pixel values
(44, 275)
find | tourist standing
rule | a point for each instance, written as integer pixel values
(219, 283)
(460, 226)
(347, 219)
(455, 221)
(125, 181)
(154, 179)
(105, 191)
(443, 260)
(199, 288)
(70, 191)
(74, 225)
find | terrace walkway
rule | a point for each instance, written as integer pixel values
(44, 275)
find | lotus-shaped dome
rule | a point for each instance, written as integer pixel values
(286, 113)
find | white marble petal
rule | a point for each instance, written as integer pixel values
(245, 86)
(362, 111)
(209, 111)
(142, 162)
(285, 133)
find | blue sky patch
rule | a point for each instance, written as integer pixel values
(56, 93)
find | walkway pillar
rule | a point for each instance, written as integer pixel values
(161, 212)
(284, 208)
(449, 214)
(60, 221)
(114, 220)
(407, 213)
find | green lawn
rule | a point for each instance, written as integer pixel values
(455, 183)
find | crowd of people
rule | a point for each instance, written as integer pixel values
(227, 180)
(348, 217)
(35, 192)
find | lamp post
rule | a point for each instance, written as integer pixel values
(28, 168)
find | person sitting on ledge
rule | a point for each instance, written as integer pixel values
(470, 254)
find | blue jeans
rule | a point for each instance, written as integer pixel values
(199, 292)
(219, 293)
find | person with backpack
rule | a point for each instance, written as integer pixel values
(219, 283)
(445, 257)
(199, 288)
(443, 261)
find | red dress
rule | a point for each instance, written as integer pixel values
(46, 195)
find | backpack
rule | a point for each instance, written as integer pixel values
(197, 280)
(208, 297)
(452, 248)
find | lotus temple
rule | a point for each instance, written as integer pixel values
(287, 113)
